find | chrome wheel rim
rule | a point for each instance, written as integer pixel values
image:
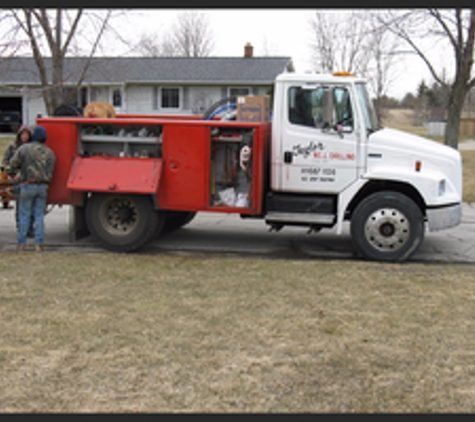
(387, 229)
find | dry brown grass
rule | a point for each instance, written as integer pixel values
(4, 141)
(403, 119)
(468, 159)
(137, 333)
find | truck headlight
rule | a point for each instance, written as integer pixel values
(441, 187)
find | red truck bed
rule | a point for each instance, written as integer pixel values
(184, 162)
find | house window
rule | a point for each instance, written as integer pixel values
(170, 98)
(117, 98)
(238, 91)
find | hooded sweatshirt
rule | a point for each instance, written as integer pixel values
(12, 147)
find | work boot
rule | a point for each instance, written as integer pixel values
(39, 248)
(20, 248)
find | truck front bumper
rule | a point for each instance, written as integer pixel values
(444, 218)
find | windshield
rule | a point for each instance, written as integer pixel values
(367, 109)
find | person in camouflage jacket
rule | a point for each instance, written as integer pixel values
(34, 162)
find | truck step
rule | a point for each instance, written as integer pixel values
(294, 218)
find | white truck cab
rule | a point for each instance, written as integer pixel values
(330, 162)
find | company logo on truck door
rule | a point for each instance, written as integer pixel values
(305, 151)
(342, 156)
(317, 150)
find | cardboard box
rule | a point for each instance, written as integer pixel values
(253, 108)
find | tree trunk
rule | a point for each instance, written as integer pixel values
(454, 109)
(453, 126)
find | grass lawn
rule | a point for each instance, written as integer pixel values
(164, 333)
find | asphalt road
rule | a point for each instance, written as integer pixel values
(229, 234)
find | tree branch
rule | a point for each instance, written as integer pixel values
(71, 33)
(93, 50)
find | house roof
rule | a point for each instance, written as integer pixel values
(111, 70)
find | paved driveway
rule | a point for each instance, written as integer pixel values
(229, 234)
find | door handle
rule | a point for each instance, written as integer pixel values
(288, 157)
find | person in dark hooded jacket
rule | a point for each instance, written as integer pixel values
(22, 137)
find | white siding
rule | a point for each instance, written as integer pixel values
(33, 107)
(202, 97)
(139, 99)
(99, 93)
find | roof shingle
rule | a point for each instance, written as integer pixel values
(107, 70)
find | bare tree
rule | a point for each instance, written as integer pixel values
(452, 27)
(48, 33)
(382, 48)
(338, 41)
(189, 36)
(192, 35)
(147, 45)
(154, 45)
(356, 42)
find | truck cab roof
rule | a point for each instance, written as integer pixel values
(317, 78)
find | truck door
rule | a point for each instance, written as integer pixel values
(318, 140)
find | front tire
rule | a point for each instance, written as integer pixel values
(387, 226)
(122, 223)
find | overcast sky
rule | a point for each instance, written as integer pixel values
(271, 31)
(277, 32)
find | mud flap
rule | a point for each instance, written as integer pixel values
(77, 224)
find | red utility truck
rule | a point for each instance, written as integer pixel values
(318, 161)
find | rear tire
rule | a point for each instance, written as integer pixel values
(175, 220)
(387, 226)
(122, 223)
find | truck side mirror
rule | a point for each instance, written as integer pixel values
(327, 108)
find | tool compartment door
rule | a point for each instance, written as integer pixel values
(186, 154)
(115, 174)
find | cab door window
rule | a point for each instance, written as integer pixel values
(343, 111)
(307, 107)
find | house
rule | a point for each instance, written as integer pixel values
(143, 85)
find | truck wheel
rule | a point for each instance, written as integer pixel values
(174, 220)
(387, 226)
(122, 223)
